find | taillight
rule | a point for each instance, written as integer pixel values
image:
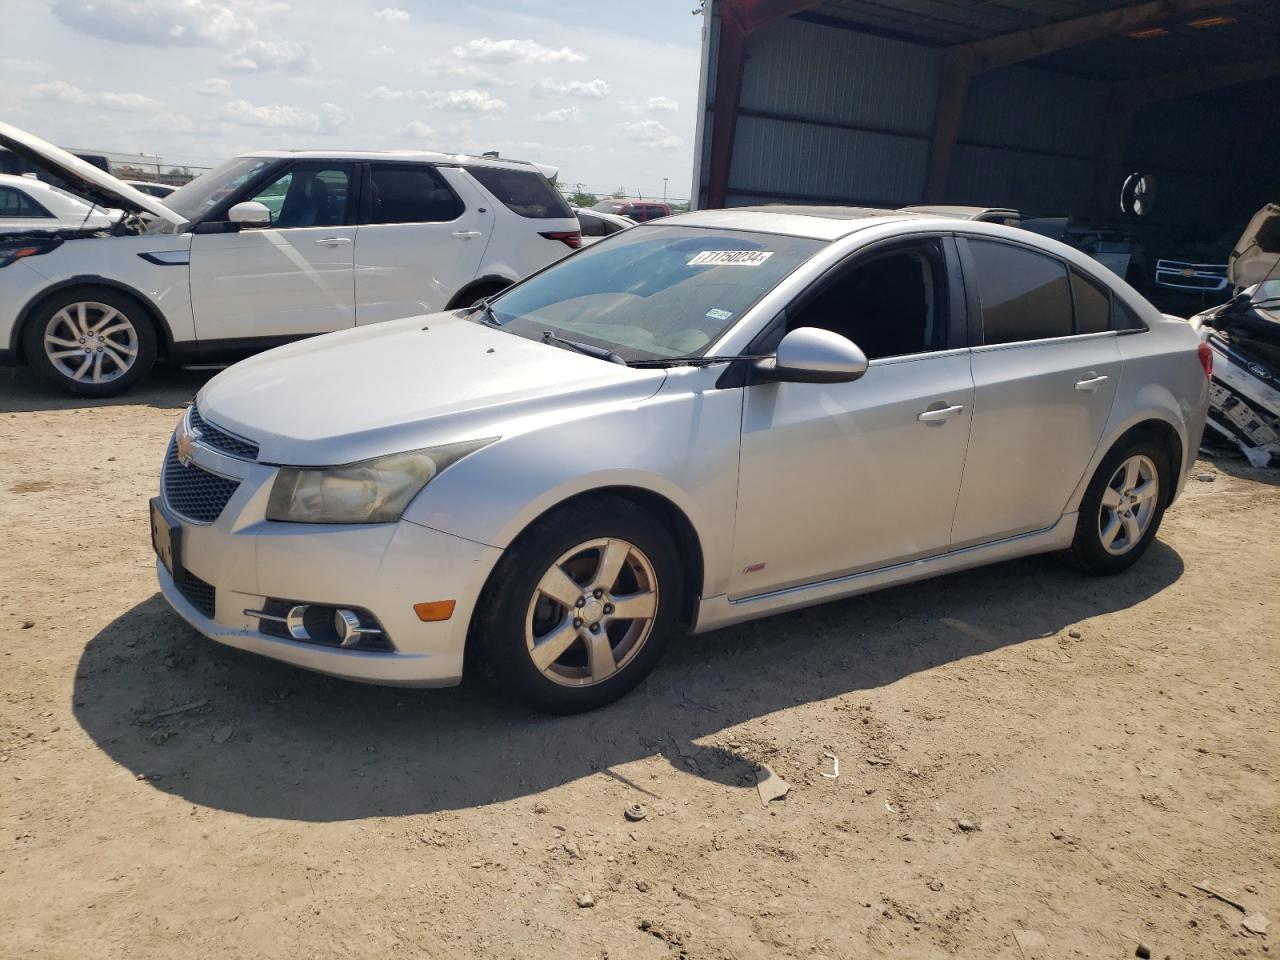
(1205, 353)
(570, 238)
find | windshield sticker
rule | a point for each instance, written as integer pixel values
(731, 258)
(715, 313)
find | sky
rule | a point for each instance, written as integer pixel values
(604, 90)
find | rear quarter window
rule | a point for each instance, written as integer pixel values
(1093, 305)
(523, 192)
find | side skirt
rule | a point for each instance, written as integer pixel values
(720, 611)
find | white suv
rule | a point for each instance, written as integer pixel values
(265, 249)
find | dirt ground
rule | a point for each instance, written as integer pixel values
(1032, 763)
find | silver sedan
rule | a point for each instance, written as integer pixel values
(718, 417)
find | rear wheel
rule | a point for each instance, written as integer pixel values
(91, 341)
(1122, 508)
(581, 608)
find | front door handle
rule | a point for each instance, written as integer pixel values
(1090, 384)
(333, 241)
(466, 234)
(939, 414)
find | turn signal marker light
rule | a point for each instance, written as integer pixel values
(434, 611)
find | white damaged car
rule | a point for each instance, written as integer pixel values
(1244, 334)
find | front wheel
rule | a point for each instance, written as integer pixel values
(91, 342)
(582, 606)
(1122, 508)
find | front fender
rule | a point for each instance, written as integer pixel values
(681, 444)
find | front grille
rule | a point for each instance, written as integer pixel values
(198, 593)
(1181, 275)
(194, 494)
(219, 439)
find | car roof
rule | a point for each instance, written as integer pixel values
(957, 211)
(421, 156)
(820, 223)
(18, 180)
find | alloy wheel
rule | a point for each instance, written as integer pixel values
(1128, 504)
(91, 342)
(591, 612)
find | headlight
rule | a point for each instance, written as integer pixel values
(371, 491)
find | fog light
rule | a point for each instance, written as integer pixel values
(347, 625)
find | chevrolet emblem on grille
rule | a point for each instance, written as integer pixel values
(186, 442)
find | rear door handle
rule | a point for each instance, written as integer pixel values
(465, 234)
(1090, 384)
(942, 413)
(333, 241)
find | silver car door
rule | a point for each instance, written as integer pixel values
(837, 478)
(1045, 384)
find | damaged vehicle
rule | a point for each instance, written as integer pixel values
(267, 248)
(1244, 335)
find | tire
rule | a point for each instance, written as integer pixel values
(472, 298)
(1111, 536)
(111, 330)
(591, 655)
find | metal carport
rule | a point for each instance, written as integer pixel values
(1042, 105)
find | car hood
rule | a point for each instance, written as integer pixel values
(1255, 253)
(83, 177)
(407, 384)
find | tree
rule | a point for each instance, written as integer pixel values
(580, 198)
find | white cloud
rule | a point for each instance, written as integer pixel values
(515, 51)
(65, 92)
(213, 87)
(568, 114)
(648, 133)
(392, 15)
(652, 105)
(23, 66)
(587, 89)
(470, 101)
(281, 116)
(415, 129)
(382, 51)
(159, 23)
(466, 72)
(288, 56)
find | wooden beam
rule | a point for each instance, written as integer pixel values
(1010, 48)
(738, 20)
(953, 88)
(731, 57)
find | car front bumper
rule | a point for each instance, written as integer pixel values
(244, 561)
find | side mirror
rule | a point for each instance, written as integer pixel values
(810, 355)
(250, 213)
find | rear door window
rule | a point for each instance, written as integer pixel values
(523, 192)
(1024, 295)
(410, 193)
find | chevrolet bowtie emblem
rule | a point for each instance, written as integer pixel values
(186, 444)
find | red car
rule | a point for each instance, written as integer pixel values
(638, 210)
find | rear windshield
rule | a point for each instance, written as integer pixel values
(525, 192)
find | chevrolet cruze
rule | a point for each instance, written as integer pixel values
(721, 416)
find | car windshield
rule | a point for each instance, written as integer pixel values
(192, 200)
(652, 293)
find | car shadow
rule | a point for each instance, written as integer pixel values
(228, 730)
(166, 388)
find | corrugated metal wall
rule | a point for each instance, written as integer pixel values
(830, 114)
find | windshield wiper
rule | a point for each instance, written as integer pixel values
(486, 313)
(601, 353)
(696, 361)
